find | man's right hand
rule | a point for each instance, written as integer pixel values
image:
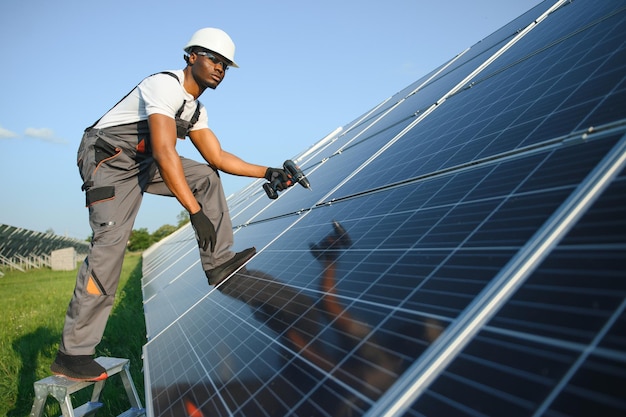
(205, 232)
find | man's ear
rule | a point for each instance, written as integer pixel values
(191, 58)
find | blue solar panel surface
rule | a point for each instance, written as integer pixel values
(461, 253)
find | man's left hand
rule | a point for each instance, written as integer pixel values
(284, 180)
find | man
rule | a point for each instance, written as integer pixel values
(131, 150)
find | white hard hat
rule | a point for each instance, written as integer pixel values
(215, 40)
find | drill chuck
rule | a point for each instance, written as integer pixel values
(296, 173)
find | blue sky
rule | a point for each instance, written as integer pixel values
(306, 69)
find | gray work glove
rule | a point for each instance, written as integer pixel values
(279, 179)
(205, 232)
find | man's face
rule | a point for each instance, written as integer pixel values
(209, 68)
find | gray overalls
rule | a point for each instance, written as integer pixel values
(117, 167)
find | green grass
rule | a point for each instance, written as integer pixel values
(33, 311)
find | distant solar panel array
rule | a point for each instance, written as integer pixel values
(18, 245)
(462, 253)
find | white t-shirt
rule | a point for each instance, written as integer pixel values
(157, 94)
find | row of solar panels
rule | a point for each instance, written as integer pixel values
(461, 253)
(15, 241)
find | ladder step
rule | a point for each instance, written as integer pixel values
(59, 383)
(61, 388)
(133, 412)
(87, 409)
(112, 365)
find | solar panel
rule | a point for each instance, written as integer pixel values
(461, 253)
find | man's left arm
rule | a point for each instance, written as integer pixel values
(209, 147)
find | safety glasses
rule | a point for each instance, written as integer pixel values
(215, 59)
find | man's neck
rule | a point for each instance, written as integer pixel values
(190, 85)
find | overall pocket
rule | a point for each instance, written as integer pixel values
(99, 194)
(102, 152)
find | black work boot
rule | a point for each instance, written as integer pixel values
(329, 246)
(78, 367)
(219, 273)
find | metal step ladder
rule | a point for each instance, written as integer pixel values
(61, 388)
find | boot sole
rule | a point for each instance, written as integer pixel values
(231, 268)
(59, 370)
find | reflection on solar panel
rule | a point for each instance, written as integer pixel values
(463, 252)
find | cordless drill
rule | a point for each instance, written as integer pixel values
(294, 173)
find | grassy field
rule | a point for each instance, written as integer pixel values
(33, 308)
